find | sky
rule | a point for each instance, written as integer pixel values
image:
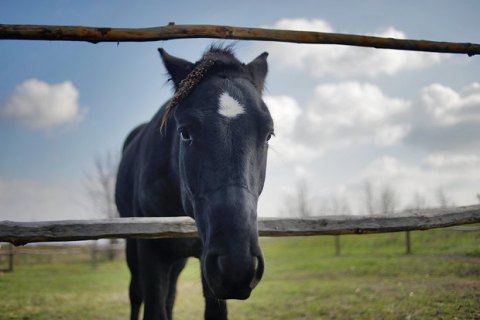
(346, 118)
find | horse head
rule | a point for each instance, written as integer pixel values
(221, 127)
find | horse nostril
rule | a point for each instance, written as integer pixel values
(258, 267)
(255, 264)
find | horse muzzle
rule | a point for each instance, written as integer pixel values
(232, 261)
(233, 276)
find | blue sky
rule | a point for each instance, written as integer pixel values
(345, 116)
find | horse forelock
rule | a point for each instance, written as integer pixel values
(215, 59)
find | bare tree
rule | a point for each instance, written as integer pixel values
(385, 203)
(300, 203)
(443, 199)
(340, 206)
(100, 186)
(419, 201)
(388, 200)
(478, 197)
(334, 205)
(369, 199)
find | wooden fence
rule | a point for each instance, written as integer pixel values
(90, 251)
(20, 233)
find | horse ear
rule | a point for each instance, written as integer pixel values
(176, 67)
(258, 69)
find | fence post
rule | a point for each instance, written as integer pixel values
(10, 258)
(112, 249)
(408, 243)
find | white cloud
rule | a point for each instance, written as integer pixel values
(341, 114)
(446, 119)
(321, 60)
(442, 161)
(38, 105)
(285, 113)
(447, 107)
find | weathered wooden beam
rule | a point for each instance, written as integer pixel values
(336, 225)
(172, 31)
(20, 233)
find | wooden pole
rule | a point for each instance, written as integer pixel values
(408, 243)
(172, 31)
(338, 248)
(20, 233)
(10, 258)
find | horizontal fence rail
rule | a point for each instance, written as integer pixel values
(172, 31)
(20, 233)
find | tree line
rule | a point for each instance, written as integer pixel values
(383, 200)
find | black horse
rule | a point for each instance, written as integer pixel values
(202, 155)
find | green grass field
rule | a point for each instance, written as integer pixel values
(371, 279)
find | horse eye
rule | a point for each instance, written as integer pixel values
(269, 136)
(185, 135)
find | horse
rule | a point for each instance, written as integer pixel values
(202, 155)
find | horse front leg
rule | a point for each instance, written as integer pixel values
(215, 309)
(135, 290)
(175, 270)
(154, 278)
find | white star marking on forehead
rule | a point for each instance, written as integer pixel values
(229, 107)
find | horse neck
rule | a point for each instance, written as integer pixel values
(160, 164)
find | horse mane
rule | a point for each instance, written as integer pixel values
(215, 55)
